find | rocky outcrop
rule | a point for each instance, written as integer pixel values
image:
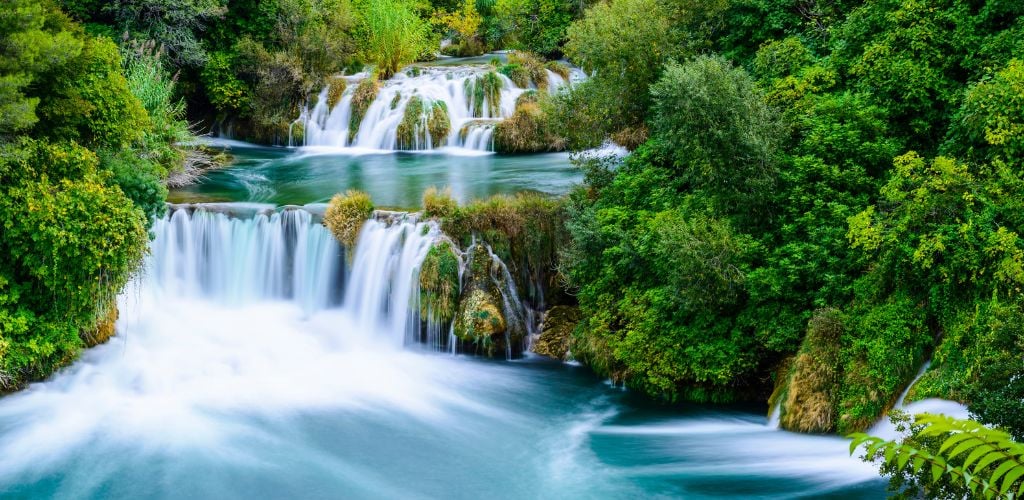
(485, 322)
(809, 399)
(105, 328)
(556, 332)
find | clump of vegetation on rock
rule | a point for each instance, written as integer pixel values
(421, 118)
(335, 89)
(439, 203)
(439, 283)
(527, 130)
(346, 215)
(362, 97)
(484, 94)
(809, 403)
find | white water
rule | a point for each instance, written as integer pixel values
(471, 129)
(884, 428)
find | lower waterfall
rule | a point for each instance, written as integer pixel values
(248, 363)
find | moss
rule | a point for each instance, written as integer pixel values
(395, 100)
(526, 131)
(105, 327)
(346, 215)
(559, 323)
(439, 203)
(532, 65)
(517, 73)
(484, 90)
(558, 69)
(809, 401)
(335, 89)
(439, 124)
(412, 119)
(362, 98)
(439, 283)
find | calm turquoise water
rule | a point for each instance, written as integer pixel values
(288, 176)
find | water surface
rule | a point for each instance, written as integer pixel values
(308, 175)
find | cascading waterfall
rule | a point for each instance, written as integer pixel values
(471, 121)
(226, 254)
(245, 253)
(385, 276)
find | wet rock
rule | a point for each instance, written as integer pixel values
(556, 332)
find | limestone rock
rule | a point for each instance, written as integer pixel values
(556, 332)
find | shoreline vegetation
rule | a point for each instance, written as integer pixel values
(817, 199)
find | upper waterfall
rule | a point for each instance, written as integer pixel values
(462, 104)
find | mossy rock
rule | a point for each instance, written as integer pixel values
(297, 133)
(480, 323)
(556, 332)
(480, 318)
(517, 73)
(420, 118)
(439, 283)
(362, 98)
(406, 133)
(809, 399)
(104, 330)
(335, 89)
(439, 124)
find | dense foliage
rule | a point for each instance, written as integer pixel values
(813, 213)
(87, 136)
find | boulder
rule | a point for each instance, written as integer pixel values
(556, 332)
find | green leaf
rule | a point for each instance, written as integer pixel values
(1002, 469)
(976, 454)
(937, 471)
(1011, 478)
(988, 460)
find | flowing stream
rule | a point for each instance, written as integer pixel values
(252, 361)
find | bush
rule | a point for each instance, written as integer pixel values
(439, 203)
(346, 215)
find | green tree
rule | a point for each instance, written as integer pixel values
(391, 35)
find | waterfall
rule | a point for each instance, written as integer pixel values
(385, 277)
(239, 253)
(470, 126)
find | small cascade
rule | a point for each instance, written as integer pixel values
(775, 415)
(466, 93)
(241, 253)
(385, 276)
(900, 401)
